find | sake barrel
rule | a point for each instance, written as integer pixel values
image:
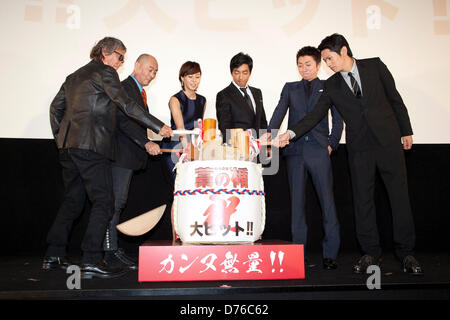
(219, 201)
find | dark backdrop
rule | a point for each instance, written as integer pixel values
(31, 192)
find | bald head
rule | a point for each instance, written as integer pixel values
(145, 58)
(145, 69)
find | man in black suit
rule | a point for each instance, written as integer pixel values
(377, 124)
(83, 122)
(131, 146)
(239, 105)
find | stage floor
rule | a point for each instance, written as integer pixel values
(21, 278)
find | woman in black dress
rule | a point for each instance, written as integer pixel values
(186, 107)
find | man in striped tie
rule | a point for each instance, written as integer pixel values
(378, 129)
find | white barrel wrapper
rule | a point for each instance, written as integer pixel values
(219, 201)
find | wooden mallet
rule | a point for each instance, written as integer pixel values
(143, 223)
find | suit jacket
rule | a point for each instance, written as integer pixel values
(83, 113)
(130, 136)
(233, 111)
(380, 110)
(294, 98)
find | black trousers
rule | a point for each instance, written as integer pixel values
(121, 185)
(84, 173)
(390, 162)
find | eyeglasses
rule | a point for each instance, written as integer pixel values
(121, 57)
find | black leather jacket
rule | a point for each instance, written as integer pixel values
(83, 113)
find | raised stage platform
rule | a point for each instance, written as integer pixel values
(32, 192)
(21, 278)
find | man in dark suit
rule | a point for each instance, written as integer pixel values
(377, 124)
(239, 105)
(131, 146)
(310, 153)
(83, 121)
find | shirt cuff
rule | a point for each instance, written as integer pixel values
(291, 134)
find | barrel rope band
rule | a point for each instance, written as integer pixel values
(219, 191)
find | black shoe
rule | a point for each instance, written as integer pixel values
(363, 263)
(308, 263)
(53, 262)
(329, 264)
(411, 266)
(119, 259)
(100, 270)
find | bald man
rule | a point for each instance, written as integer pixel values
(131, 147)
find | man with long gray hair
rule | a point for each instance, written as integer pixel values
(83, 122)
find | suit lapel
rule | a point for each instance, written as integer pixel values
(258, 105)
(298, 92)
(137, 93)
(343, 86)
(364, 75)
(239, 98)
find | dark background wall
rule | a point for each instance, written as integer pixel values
(31, 192)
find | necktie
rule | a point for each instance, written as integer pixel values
(355, 86)
(144, 98)
(308, 89)
(247, 98)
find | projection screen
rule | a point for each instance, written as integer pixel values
(45, 40)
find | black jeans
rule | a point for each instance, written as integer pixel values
(121, 185)
(84, 173)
